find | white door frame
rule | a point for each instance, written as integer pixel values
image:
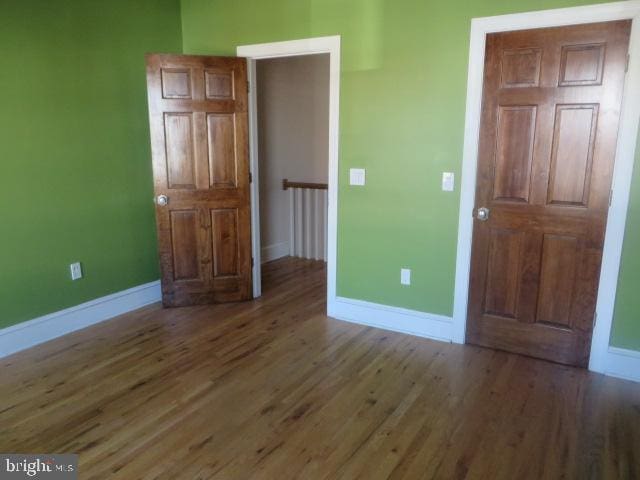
(309, 46)
(625, 153)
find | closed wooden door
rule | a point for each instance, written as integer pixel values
(198, 119)
(550, 115)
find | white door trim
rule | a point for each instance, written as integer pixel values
(625, 154)
(310, 46)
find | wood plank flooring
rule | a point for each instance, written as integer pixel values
(273, 389)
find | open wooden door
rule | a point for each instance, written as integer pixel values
(549, 127)
(199, 143)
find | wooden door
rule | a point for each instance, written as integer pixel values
(198, 119)
(550, 114)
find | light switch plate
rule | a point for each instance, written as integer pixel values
(357, 176)
(448, 181)
(405, 276)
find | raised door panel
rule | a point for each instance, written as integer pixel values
(521, 67)
(219, 84)
(223, 161)
(581, 65)
(572, 154)
(176, 83)
(503, 273)
(179, 150)
(557, 279)
(514, 152)
(184, 244)
(226, 249)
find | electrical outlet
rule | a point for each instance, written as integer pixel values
(76, 271)
(405, 276)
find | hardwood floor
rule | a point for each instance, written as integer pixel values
(273, 389)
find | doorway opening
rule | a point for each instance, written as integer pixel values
(303, 235)
(292, 111)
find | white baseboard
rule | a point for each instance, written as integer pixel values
(412, 322)
(275, 251)
(620, 363)
(27, 334)
(623, 363)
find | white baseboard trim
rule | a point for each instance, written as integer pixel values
(412, 322)
(274, 252)
(623, 363)
(32, 332)
(620, 363)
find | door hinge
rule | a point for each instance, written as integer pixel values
(252, 262)
(626, 68)
(248, 87)
(250, 177)
(595, 317)
(610, 196)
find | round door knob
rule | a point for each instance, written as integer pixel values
(162, 200)
(483, 214)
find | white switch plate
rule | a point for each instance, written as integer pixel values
(405, 276)
(76, 271)
(448, 181)
(357, 176)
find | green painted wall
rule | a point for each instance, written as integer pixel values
(403, 90)
(74, 149)
(75, 160)
(626, 328)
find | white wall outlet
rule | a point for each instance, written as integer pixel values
(448, 181)
(76, 271)
(356, 176)
(405, 276)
